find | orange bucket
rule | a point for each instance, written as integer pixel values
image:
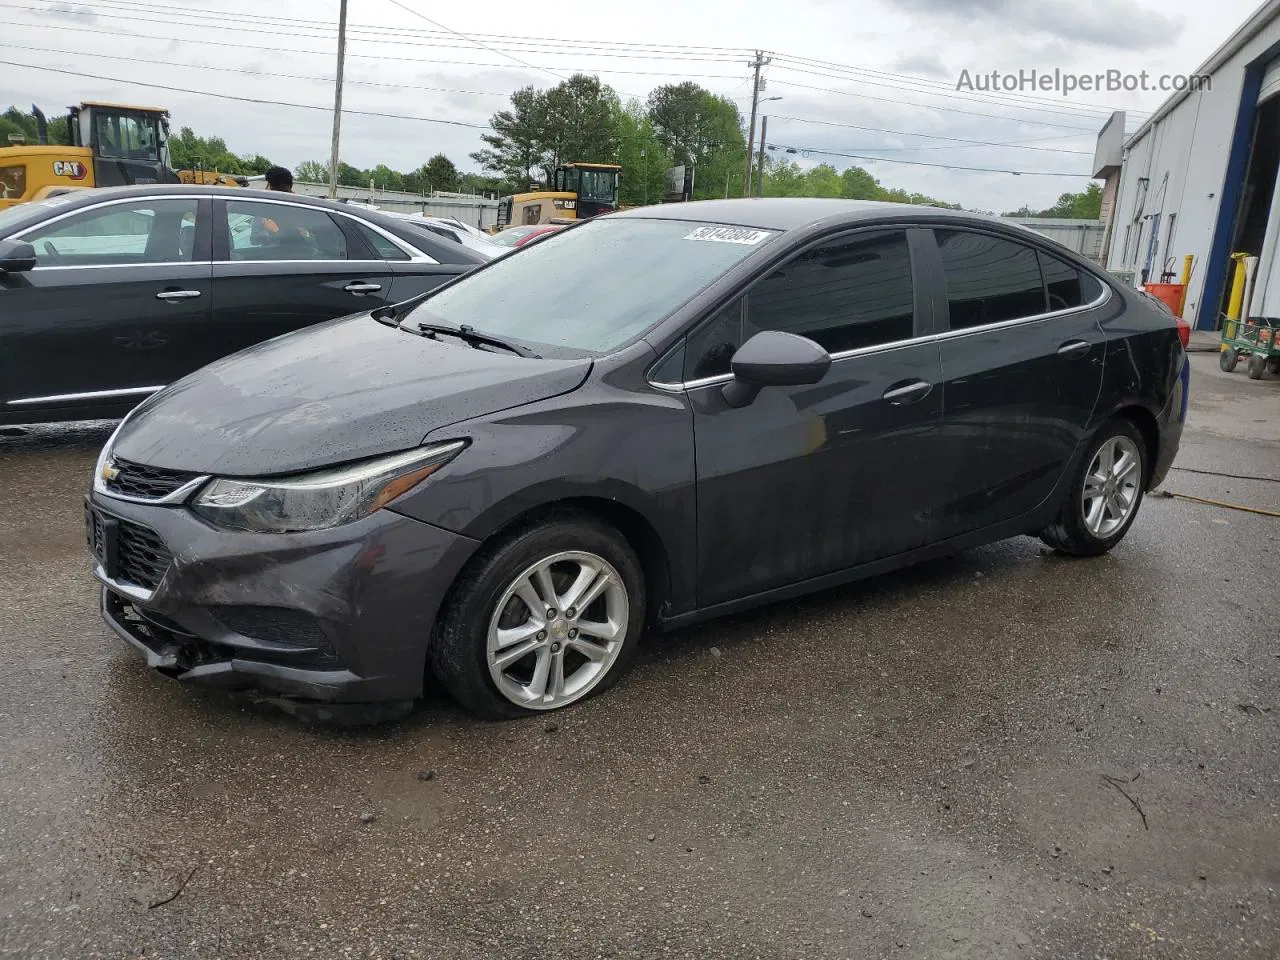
(1169, 293)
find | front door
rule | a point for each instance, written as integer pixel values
(119, 294)
(809, 480)
(1022, 356)
(281, 266)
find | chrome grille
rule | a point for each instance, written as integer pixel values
(143, 482)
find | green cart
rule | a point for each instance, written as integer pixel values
(1257, 338)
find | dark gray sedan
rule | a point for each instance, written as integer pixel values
(108, 295)
(647, 419)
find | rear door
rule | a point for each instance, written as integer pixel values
(119, 296)
(280, 266)
(1022, 355)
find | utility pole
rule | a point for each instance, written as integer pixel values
(760, 61)
(337, 100)
(764, 126)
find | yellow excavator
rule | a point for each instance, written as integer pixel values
(112, 145)
(581, 190)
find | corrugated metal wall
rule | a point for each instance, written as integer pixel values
(1082, 236)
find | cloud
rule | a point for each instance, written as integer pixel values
(921, 64)
(72, 12)
(1117, 24)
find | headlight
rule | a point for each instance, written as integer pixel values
(318, 501)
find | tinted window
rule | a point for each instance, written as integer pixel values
(594, 286)
(1062, 281)
(988, 279)
(155, 231)
(710, 347)
(282, 231)
(845, 294)
(380, 244)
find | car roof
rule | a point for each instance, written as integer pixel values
(779, 213)
(439, 248)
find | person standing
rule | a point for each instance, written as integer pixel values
(279, 179)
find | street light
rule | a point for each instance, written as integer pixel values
(764, 126)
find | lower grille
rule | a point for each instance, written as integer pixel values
(143, 557)
(281, 625)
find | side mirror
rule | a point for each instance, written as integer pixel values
(16, 256)
(774, 359)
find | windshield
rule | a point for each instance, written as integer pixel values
(599, 185)
(509, 236)
(593, 287)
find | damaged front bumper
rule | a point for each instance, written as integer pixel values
(340, 616)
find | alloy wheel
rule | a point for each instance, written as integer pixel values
(1111, 486)
(557, 630)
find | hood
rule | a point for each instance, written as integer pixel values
(340, 391)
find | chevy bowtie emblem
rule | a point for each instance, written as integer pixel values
(110, 471)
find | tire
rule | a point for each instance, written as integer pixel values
(1072, 532)
(483, 605)
(1257, 366)
(1273, 365)
(1227, 359)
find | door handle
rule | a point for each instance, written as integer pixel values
(1074, 348)
(908, 392)
(177, 294)
(359, 289)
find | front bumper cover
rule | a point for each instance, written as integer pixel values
(368, 592)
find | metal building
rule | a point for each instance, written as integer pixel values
(1199, 177)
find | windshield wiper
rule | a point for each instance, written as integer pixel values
(467, 333)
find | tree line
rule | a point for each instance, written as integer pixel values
(583, 119)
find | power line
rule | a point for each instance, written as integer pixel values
(203, 23)
(256, 73)
(930, 106)
(381, 58)
(920, 163)
(931, 136)
(732, 53)
(943, 86)
(257, 100)
(931, 93)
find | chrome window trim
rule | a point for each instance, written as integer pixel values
(90, 395)
(117, 266)
(141, 594)
(1094, 304)
(415, 255)
(110, 203)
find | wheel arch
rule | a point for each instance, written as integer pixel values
(1149, 429)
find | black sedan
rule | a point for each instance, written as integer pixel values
(108, 295)
(649, 418)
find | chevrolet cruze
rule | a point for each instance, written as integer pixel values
(645, 420)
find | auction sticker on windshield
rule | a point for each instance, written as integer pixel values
(730, 235)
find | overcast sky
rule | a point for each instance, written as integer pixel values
(901, 63)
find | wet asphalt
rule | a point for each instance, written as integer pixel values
(1002, 754)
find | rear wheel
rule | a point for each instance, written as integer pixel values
(546, 616)
(1257, 366)
(1104, 495)
(1227, 359)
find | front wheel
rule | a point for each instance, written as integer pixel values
(541, 619)
(1104, 495)
(1227, 359)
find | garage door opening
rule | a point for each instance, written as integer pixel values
(1259, 189)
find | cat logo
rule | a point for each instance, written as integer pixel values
(69, 168)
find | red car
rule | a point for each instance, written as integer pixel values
(519, 236)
